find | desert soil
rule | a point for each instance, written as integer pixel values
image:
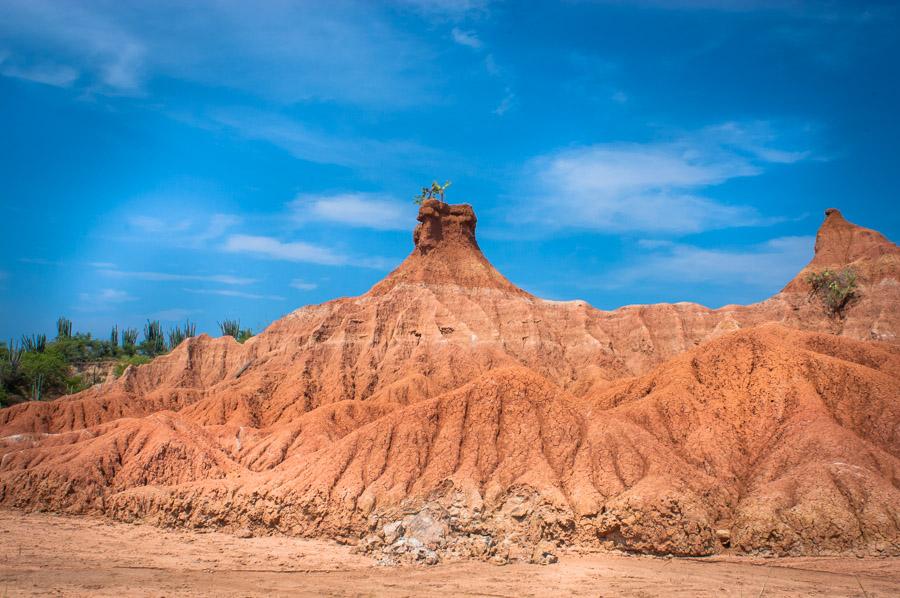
(65, 556)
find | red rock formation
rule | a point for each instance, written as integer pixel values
(449, 402)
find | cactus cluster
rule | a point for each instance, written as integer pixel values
(233, 329)
(178, 334)
(36, 343)
(154, 340)
(63, 328)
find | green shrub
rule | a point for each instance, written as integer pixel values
(436, 191)
(124, 362)
(76, 384)
(835, 289)
(43, 372)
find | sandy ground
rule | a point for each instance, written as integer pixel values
(53, 555)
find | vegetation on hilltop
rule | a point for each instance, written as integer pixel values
(37, 369)
(836, 289)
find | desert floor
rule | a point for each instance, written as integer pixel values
(48, 554)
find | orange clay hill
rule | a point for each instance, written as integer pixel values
(449, 414)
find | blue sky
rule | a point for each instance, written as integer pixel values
(239, 160)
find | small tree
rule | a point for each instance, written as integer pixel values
(436, 191)
(836, 289)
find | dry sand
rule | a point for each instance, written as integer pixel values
(66, 556)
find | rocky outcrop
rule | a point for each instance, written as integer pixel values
(448, 413)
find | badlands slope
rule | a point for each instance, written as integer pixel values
(447, 412)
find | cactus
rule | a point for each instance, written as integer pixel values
(154, 340)
(114, 339)
(230, 328)
(37, 387)
(63, 328)
(129, 340)
(36, 343)
(13, 354)
(177, 334)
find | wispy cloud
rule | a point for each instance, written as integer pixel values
(40, 261)
(175, 277)
(189, 230)
(233, 293)
(296, 251)
(761, 266)
(301, 285)
(319, 147)
(174, 314)
(103, 298)
(506, 103)
(79, 38)
(282, 51)
(362, 210)
(466, 38)
(46, 74)
(448, 9)
(655, 186)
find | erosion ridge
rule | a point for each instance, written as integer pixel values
(447, 412)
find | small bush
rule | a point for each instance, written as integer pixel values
(836, 289)
(124, 362)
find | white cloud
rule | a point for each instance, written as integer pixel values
(315, 146)
(168, 277)
(762, 266)
(105, 297)
(466, 38)
(302, 285)
(362, 210)
(655, 186)
(505, 104)
(79, 36)
(272, 248)
(186, 230)
(232, 293)
(619, 97)
(47, 74)
(151, 224)
(281, 51)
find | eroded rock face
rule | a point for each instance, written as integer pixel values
(447, 414)
(442, 224)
